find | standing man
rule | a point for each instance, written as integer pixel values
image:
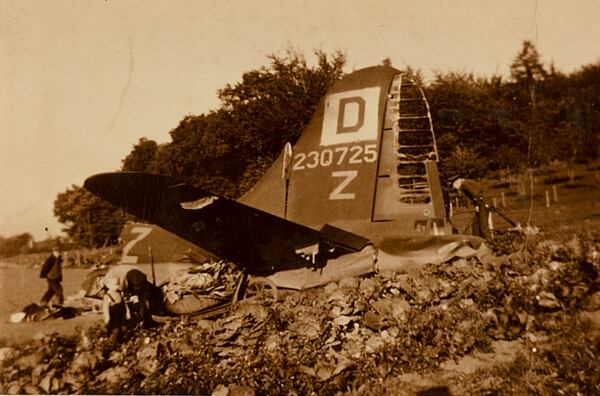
(474, 192)
(52, 271)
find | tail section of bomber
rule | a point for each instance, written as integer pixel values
(366, 163)
(148, 243)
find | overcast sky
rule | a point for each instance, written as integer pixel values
(82, 81)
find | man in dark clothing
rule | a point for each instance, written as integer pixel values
(474, 192)
(125, 303)
(52, 271)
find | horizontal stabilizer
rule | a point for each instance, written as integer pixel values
(343, 238)
(259, 241)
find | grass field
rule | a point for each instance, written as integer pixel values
(558, 205)
(21, 286)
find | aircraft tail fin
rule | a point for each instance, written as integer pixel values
(366, 163)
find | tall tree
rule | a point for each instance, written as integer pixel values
(89, 221)
(470, 123)
(584, 112)
(527, 67)
(528, 73)
(141, 157)
(227, 150)
(272, 105)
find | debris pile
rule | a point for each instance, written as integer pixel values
(214, 278)
(402, 331)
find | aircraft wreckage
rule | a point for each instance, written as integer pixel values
(358, 193)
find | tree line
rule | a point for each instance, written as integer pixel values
(534, 117)
(537, 116)
(24, 244)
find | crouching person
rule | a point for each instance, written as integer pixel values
(125, 302)
(115, 314)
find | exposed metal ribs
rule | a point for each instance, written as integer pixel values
(414, 141)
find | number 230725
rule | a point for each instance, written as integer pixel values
(354, 155)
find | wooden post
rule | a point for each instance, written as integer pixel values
(571, 176)
(152, 265)
(521, 189)
(503, 200)
(450, 210)
(547, 198)
(555, 193)
(494, 203)
(457, 205)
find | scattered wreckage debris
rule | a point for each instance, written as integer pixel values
(74, 305)
(199, 287)
(518, 323)
(212, 287)
(37, 313)
(204, 289)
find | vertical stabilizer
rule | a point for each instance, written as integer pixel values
(366, 163)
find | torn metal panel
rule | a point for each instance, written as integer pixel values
(346, 266)
(402, 255)
(200, 203)
(343, 238)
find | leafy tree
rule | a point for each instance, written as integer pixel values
(202, 154)
(464, 162)
(558, 114)
(89, 220)
(227, 150)
(141, 157)
(416, 75)
(470, 120)
(536, 117)
(584, 110)
(273, 105)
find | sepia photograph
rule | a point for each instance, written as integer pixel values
(277, 197)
